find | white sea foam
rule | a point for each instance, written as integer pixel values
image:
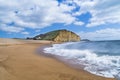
(104, 65)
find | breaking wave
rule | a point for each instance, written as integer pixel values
(100, 57)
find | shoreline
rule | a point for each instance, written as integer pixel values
(40, 51)
(78, 67)
(21, 62)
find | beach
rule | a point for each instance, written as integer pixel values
(19, 61)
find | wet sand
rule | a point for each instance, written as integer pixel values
(20, 62)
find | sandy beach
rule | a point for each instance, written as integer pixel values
(19, 61)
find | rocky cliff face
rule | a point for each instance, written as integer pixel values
(66, 36)
(59, 36)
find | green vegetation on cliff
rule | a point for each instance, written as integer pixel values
(50, 35)
(47, 36)
(58, 36)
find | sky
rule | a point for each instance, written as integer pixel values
(90, 19)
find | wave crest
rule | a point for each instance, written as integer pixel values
(102, 65)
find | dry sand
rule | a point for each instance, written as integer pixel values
(20, 62)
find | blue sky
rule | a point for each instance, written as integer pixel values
(91, 19)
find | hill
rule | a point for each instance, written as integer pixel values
(58, 36)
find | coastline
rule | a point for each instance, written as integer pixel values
(68, 62)
(40, 52)
(20, 62)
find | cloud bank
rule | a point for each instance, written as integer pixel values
(103, 34)
(17, 16)
(34, 14)
(102, 11)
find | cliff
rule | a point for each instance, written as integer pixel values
(59, 36)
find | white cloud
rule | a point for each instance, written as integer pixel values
(11, 29)
(35, 13)
(43, 13)
(79, 23)
(103, 34)
(25, 33)
(102, 11)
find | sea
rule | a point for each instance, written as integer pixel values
(101, 58)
